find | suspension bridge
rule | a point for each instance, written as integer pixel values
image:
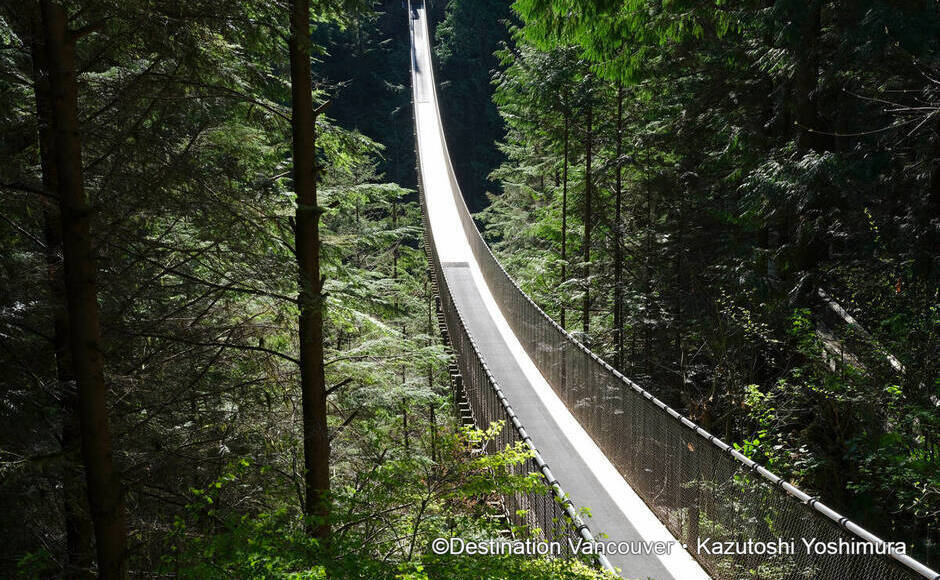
(649, 476)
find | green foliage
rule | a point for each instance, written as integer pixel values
(465, 42)
(384, 522)
(186, 144)
(366, 67)
(769, 150)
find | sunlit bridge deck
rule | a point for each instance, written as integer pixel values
(647, 474)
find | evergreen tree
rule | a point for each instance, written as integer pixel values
(764, 167)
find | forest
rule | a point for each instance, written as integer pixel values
(221, 347)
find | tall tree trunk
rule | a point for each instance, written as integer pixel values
(648, 273)
(78, 527)
(680, 294)
(588, 218)
(618, 237)
(564, 215)
(102, 479)
(395, 249)
(310, 295)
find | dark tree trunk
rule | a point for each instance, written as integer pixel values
(680, 295)
(310, 296)
(618, 237)
(102, 479)
(588, 218)
(78, 528)
(564, 216)
(395, 249)
(648, 273)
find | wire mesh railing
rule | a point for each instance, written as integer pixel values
(727, 509)
(546, 513)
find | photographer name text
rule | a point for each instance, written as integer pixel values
(707, 546)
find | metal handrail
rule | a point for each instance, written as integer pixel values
(554, 486)
(483, 254)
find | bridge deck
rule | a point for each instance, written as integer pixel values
(582, 469)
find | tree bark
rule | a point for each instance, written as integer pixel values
(680, 294)
(648, 272)
(78, 527)
(588, 218)
(618, 237)
(310, 295)
(102, 479)
(564, 215)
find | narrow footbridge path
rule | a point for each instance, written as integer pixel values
(653, 480)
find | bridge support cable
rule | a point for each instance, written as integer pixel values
(698, 486)
(550, 511)
(701, 489)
